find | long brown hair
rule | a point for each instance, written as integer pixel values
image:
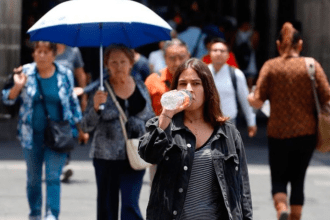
(212, 111)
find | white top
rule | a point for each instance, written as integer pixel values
(156, 58)
(226, 91)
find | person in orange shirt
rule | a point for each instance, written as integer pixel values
(207, 58)
(175, 52)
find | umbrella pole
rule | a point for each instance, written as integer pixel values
(101, 107)
(101, 68)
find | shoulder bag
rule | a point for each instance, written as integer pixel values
(136, 162)
(323, 113)
(58, 134)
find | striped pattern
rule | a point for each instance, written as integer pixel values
(203, 195)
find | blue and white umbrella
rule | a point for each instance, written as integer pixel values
(99, 23)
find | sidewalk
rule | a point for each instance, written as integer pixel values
(79, 196)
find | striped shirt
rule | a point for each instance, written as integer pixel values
(203, 194)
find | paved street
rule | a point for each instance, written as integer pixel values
(79, 196)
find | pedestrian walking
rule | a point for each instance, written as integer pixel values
(175, 53)
(292, 124)
(108, 149)
(231, 85)
(245, 44)
(71, 58)
(141, 69)
(61, 103)
(201, 165)
(156, 59)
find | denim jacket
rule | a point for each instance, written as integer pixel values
(70, 104)
(173, 151)
(108, 141)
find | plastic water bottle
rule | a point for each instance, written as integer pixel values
(176, 98)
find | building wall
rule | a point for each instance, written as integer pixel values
(315, 18)
(10, 31)
(10, 35)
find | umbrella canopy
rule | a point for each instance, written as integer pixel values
(98, 23)
(84, 23)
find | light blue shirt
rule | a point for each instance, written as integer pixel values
(157, 60)
(226, 91)
(190, 37)
(70, 58)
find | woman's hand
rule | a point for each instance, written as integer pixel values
(166, 116)
(255, 103)
(83, 137)
(19, 81)
(100, 97)
(252, 131)
(19, 77)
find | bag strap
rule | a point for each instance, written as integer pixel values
(234, 81)
(42, 96)
(122, 117)
(311, 72)
(113, 97)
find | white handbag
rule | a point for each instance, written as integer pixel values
(136, 162)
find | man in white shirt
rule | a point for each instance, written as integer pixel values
(156, 59)
(224, 82)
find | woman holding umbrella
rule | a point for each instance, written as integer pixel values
(112, 169)
(61, 103)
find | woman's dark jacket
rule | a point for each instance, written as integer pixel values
(108, 141)
(173, 151)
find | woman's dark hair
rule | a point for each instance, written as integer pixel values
(212, 111)
(288, 37)
(295, 38)
(51, 46)
(127, 51)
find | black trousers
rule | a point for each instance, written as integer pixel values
(288, 160)
(114, 177)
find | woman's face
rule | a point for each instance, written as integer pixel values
(43, 55)
(119, 65)
(190, 81)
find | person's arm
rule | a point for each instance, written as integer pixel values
(19, 82)
(15, 91)
(73, 99)
(156, 142)
(92, 115)
(81, 77)
(260, 94)
(246, 200)
(254, 102)
(242, 94)
(322, 84)
(158, 139)
(155, 96)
